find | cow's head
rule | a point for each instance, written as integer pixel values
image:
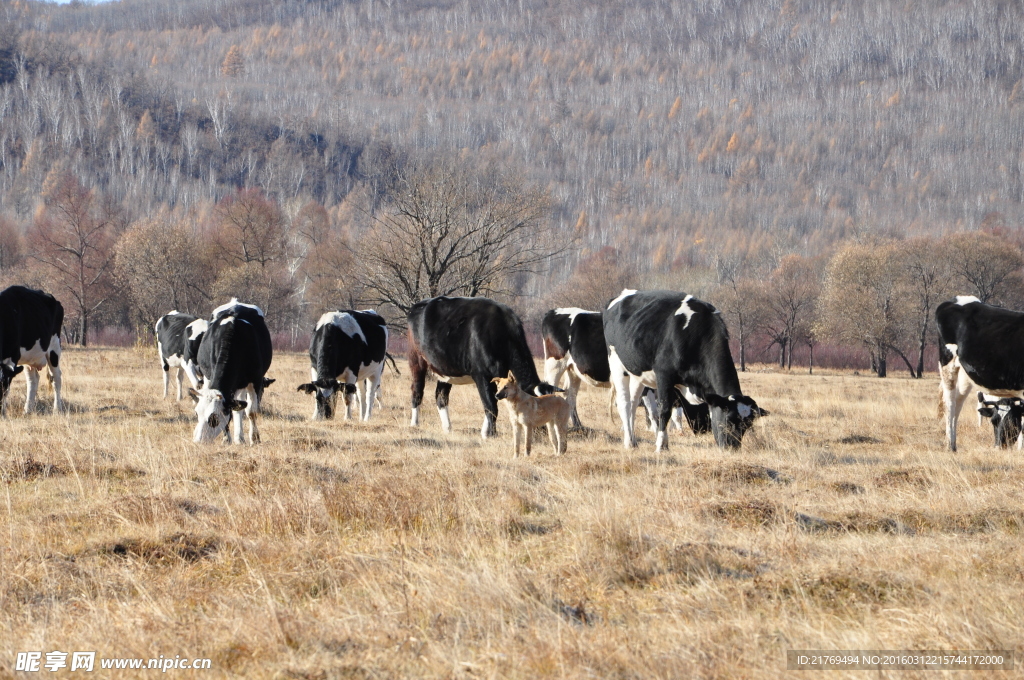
(731, 417)
(326, 391)
(1006, 415)
(7, 374)
(214, 411)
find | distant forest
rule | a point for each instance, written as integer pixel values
(680, 144)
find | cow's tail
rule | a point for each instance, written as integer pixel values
(394, 367)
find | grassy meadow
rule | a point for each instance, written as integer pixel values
(375, 550)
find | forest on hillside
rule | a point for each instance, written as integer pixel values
(690, 145)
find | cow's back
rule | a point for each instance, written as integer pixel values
(27, 315)
(471, 337)
(236, 349)
(988, 340)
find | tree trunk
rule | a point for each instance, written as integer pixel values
(921, 346)
(881, 363)
(743, 354)
(810, 360)
(83, 327)
(789, 359)
(782, 353)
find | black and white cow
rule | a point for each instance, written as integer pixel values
(346, 354)
(1005, 415)
(667, 340)
(234, 356)
(468, 341)
(177, 339)
(574, 347)
(30, 324)
(982, 344)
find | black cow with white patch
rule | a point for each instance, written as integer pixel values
(981, 343)
(667, 341)
(574, 347)
(30, 325)
(1005, 415)
(177, 340)
(468, 341)
(346, 354)
(234, 356)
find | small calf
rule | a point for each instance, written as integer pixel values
(1005, 415)
(526, 412)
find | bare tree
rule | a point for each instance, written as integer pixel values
(927, 273)
(448, 231)
(983, 264)
(72, 240)
(787, 309)
(864, 301)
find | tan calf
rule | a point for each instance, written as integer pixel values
(526, 412)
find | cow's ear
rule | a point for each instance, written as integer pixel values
(349, 388)
(981, 397)
(17, 370)
(192, 393)
(717, 401)
(267, 382)
(761, 412)
(308, 388)
(237, 405)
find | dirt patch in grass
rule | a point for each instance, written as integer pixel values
(30, 468)
(839, 591)
(745, 513)
(186, 547)
(846, 488)
(643, 562)
(740, 473)
(152, 509)
(903, 477)
(859, 439)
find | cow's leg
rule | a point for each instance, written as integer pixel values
(488, 395)
(570, 396)
(32, 378)
(441, 394)
(180, 375)
(677, 417)
(251, 409)
(372, 388)
(55, 378)
(952, 399)
(347, 396)
(650, 404)
(620, 383)
(167, 379)
(418, 369)
(666, 393)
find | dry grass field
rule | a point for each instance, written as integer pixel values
(374, 550)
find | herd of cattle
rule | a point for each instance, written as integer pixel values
(668, 351)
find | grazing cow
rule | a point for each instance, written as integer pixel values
(1005, 415)
(574, 346)
(667, 340)
(978, 343)
(234, 357)
(177, 340)
(346, 354)
(30, 324)
(464, 341)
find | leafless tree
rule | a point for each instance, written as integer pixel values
(447, 230)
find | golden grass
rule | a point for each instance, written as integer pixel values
(368, 550)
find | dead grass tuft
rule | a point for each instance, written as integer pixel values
(740, 473)
(644, 562)
(860, 439)
(30, 468)
(176, 547)
(903, 477)
(395, 502)
(848, 488)
(839, 591)
(750, 513)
